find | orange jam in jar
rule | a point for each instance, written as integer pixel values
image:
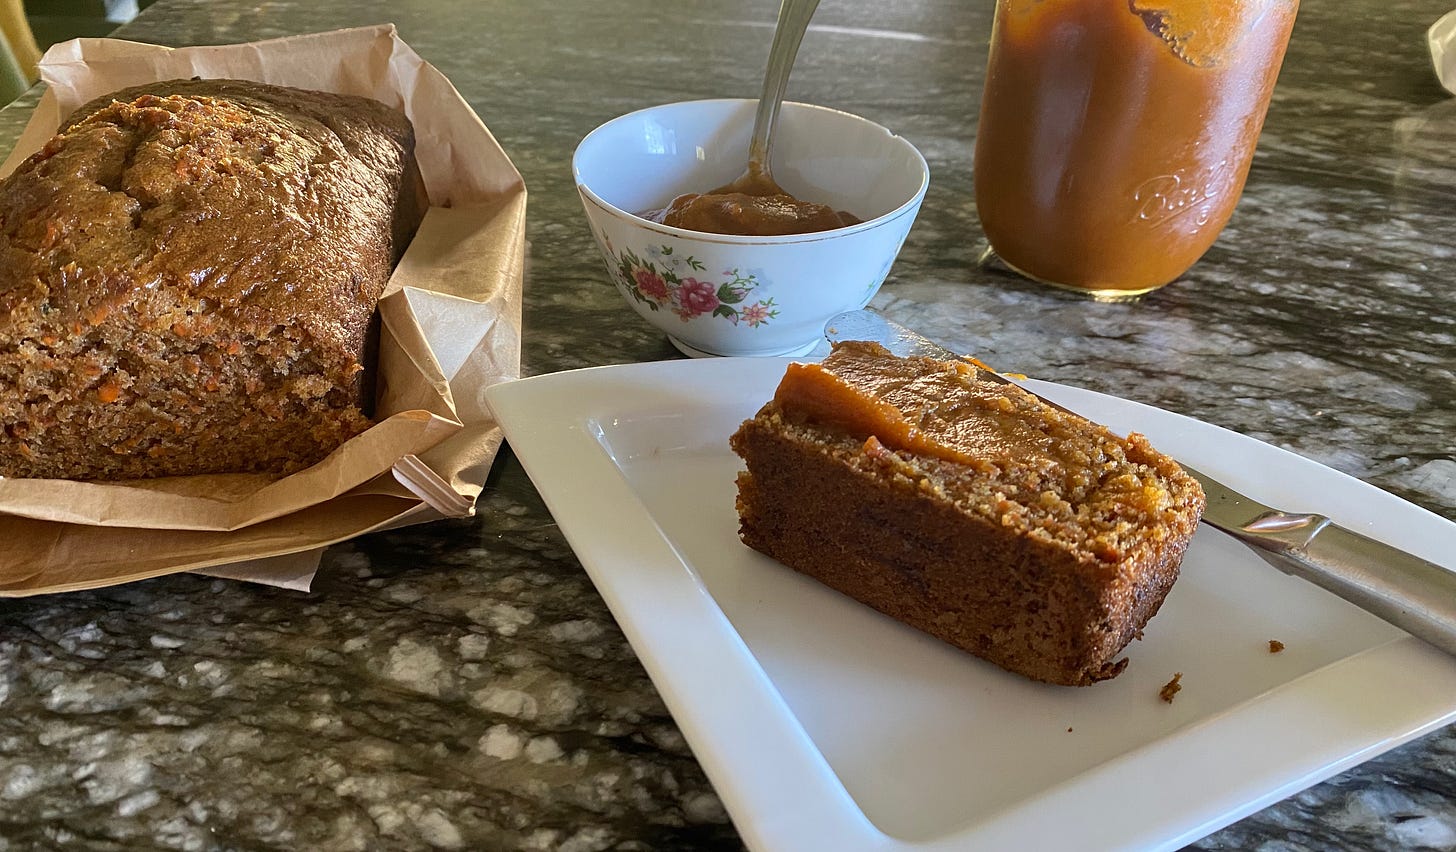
(1115, 135)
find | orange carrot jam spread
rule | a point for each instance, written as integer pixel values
(943, 413)
(1035, 465)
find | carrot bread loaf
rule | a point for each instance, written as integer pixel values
(967, 508)
(188, 279)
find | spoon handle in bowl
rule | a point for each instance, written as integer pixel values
(793, 20)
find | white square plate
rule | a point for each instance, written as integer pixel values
(825, 725)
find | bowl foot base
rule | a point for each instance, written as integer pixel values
(693, 352)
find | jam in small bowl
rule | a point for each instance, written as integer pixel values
(728, 265)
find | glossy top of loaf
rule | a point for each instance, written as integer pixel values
(197, 202)
(997, 450)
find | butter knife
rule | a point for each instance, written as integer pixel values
(1417, 596)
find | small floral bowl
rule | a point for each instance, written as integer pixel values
(716, 294)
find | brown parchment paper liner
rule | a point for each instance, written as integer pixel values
(451, 328)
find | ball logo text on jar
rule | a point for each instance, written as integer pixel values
(1167, 197)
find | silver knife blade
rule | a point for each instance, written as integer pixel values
(1411, 593)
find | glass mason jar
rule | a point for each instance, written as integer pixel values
(1116, 135)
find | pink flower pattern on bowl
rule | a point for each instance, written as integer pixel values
(651, 284)
(659, 285)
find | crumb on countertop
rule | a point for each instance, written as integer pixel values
(1171, 688)
(1275, 646)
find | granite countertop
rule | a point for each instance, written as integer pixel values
(461, 685)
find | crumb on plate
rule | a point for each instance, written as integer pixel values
(1171, 688)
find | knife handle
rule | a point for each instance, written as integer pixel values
(1417, 596)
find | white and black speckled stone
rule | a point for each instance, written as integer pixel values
(461, 685)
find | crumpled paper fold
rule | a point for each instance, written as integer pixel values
(1442, 39)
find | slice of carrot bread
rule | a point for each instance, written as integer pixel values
(967, 508)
